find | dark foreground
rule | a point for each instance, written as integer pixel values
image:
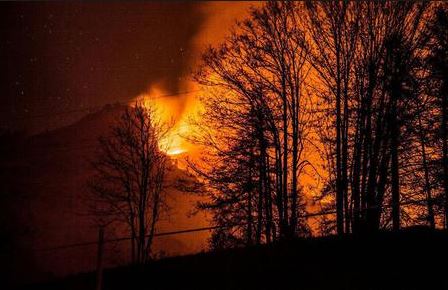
(414, 259)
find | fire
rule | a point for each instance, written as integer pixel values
(176, 151)
(170, 110)
(173, 143)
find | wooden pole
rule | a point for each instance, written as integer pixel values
(99, 262)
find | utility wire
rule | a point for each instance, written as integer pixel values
(169, 233)
(128, 238)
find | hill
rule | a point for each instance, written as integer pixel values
(42, 203)
(411, 259)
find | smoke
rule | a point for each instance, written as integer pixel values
(218, 19)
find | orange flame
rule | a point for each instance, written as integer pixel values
(170, 110)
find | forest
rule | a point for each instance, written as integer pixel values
(336, 106)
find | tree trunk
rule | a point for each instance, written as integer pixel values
(395, 177)
(294, 165)
(426, 173)
(339, 185)
(284, 228)
(268, 200)
(261, 191)
(339, 174)
(344, 165)
(444, 133)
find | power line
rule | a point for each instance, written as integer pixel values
(309, 215)
(128, 238)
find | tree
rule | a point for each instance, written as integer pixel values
(230, 173)
(359, 67)
(362, 74)
(437, 62)
(254, 117)
(128, 185)
(333, 29)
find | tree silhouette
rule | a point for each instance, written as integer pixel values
(363, 77)
(437, 62)
(364, 55)
(256, 98)
(128, 185)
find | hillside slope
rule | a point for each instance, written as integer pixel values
(413, 259)
(43, 186)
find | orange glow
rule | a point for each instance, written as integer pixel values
(171, 110)
(176, 151)
(174, 143)
(176, 109)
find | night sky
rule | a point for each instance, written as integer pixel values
(61, 58)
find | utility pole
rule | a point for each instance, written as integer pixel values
(99, 261)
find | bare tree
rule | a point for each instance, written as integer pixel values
(128, 185)
(437, 62)
(364, 75)
(362, 63)
(257, 77)
(333, 30)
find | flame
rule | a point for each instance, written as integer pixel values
(173, 143)
(170, 110)
(176, 151)
(179, 108)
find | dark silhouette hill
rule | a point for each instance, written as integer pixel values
(42, 204)
(411, 259)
